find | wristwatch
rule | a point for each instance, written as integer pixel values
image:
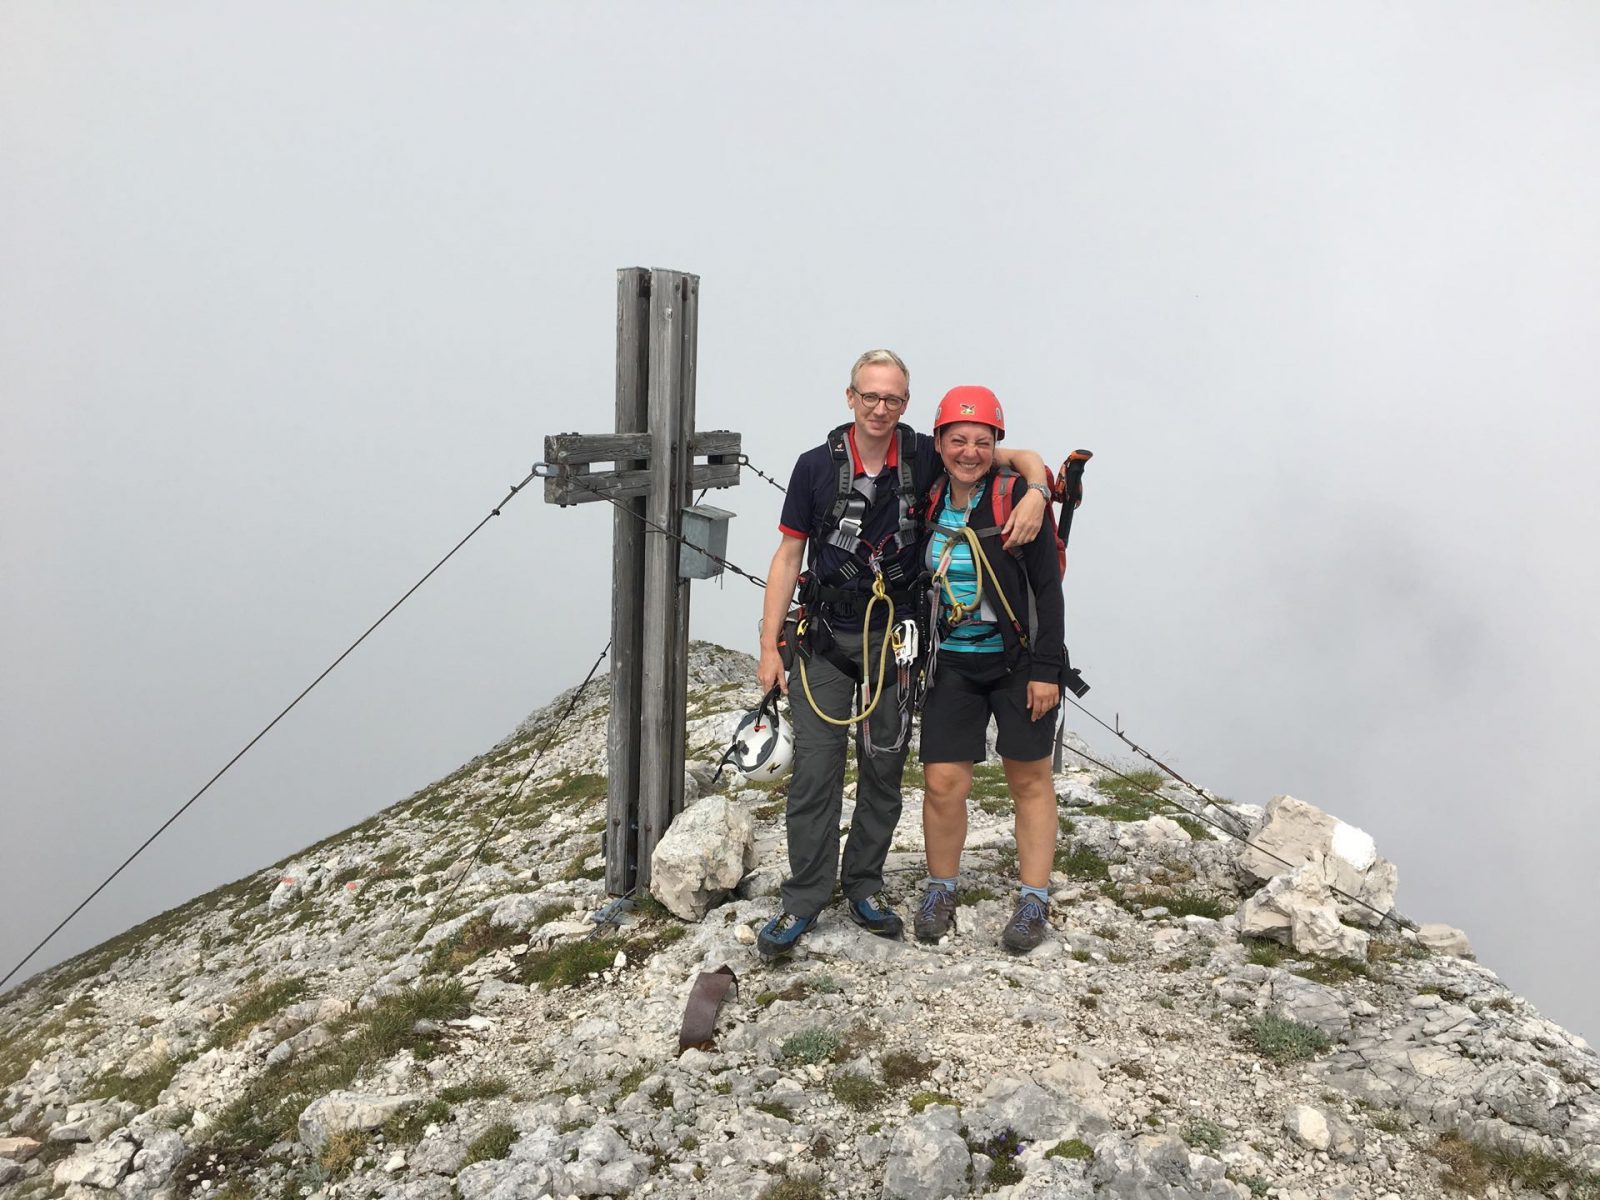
(1042, 488)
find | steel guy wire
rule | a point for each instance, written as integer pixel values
(1383, 917)
(494, 512)
(744, 461)
(505, 805)
(665, 532)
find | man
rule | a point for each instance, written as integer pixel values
(855, 502)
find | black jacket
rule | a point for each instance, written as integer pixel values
(1030, 576)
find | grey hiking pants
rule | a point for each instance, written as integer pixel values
(816, 792)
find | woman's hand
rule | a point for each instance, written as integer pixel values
(1027, 515)
(1042, 697)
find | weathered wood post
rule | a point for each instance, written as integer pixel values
(653, 472)
(627, 590)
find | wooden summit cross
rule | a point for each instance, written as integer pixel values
(652, 474)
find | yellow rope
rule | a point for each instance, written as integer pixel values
(981, 569)
(878, 593)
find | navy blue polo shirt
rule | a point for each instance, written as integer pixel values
(812, 488)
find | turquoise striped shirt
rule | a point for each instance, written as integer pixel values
(978, 633)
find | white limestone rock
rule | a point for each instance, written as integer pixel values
(928, 1159)
(1308, 1126)
(1158, 1167)
(703, 855)
(342, 1112)
(1293, 833)
(160, 1153)
(102, 1165)
(1444, 939)
(1298, 908)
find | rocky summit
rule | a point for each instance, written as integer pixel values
(441, 1003)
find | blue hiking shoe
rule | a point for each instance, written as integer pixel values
(876, 915)
(1027, 926)
(779, 935)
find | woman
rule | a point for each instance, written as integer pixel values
(989, 663)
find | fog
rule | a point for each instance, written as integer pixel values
(290, 294)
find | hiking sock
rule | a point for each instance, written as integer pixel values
(1041, 894)
(948, 885)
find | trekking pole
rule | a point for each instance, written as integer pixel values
(1067, 490)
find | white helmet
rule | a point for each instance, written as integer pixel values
(763, 743)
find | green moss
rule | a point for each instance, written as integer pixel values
(923, 1099)
(775, 1108)
(1070, 1149)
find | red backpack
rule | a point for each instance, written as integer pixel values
(1003, 496)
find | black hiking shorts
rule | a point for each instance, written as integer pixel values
(967, 690)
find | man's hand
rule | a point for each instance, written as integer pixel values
(781, 577)
(1042, 697)
(770, 672)
(1026, 519)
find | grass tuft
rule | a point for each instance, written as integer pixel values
(1082, 863)
(486, 1088)
(494, 1142)
(255, 1007)
(1286, 1041)
(857, 1091)
(475, 939)
(900, 1068)
(810, 1045)
(1205, 1134)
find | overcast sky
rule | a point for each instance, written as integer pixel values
(289, 293)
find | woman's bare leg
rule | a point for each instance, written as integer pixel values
(944, 814)
(1033, 795)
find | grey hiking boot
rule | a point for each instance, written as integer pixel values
(1027, 926)
(936, 915)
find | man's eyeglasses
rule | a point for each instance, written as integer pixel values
(872, 399)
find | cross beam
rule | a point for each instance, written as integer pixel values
(652, 474)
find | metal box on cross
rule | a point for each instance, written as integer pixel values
(705, 537)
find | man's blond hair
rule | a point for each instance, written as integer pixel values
(875, 357)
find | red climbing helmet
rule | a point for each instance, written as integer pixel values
(971, 403)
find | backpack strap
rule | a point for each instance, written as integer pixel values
(845, 472)
(909, 529)
(1001, 500)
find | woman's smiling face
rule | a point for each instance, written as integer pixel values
(967, 449)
